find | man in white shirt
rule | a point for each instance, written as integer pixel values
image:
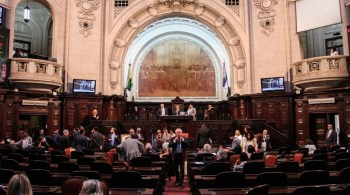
(191, 111)
(331, 136)
(162, 111)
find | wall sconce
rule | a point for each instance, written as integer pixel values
(26, 13)
(54, 93)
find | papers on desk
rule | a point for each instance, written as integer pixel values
(199, 163)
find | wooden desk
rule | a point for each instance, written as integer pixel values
(336, 189)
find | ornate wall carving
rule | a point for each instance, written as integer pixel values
(266, 15)
(86, 16)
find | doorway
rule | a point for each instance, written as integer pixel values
(32, 123)
(318, 126)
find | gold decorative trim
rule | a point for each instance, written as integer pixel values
(86, 16)
(266, 15)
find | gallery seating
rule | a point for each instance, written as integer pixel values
(230, 179)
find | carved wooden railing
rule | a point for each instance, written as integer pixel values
(320, 72)
(35, 75)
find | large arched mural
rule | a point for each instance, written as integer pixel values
(176, 67)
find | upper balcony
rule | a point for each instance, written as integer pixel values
(35, 74)
(323, 72)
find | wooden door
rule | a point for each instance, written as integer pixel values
(321, 127)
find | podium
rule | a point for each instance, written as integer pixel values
(171, 122)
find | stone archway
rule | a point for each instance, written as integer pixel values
(139, 15)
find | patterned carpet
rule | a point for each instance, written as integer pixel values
(172, 189)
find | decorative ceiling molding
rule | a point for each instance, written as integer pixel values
(86, 16)
(266, 15)
(176, 5)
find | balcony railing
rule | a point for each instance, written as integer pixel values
(35, 75)
(320, 72)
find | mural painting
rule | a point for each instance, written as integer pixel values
(176, 68)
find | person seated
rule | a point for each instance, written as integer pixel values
(221, 156)
(177, 110)
(17, 53)
(241, 161)
(157, 143)
(19, 184)
(250, 150)
(261, 144)
(206, 149)
(248, 140)
(309, 144)
(92, 187)
(148, 149)
(26, 141)
(236, 142)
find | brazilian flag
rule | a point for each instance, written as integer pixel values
(129, 85)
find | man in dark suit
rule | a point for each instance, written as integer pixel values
(331, 136)
(96, 139)
(113, 138)
(179, 145)
(266, 138)
(203, 136)
(162, 111)
(177, 110)
(80, 141)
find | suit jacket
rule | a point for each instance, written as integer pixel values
(268, 142)
(184, 144)
(192, 112)
(116, 140)
(332, 138)
(132, 148)
(177, 112)
(159, 113)
(235, 143)
(80, 142)
(203, 136)
(96, 141)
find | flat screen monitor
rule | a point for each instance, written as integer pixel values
(272, 84)
(84, 86)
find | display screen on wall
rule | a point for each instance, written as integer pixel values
(84, 86)
(4, 51)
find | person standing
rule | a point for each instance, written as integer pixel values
(331, 136)
(132, 148)
(203, 136)
(266, 139)
(113, 138)
(334, 52)
(179, 145)
(80, 140)
(139, 134)
(162, 111)
(191, 111)
(96, 139)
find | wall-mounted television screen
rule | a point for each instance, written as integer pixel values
(84, 86)
(272, 84)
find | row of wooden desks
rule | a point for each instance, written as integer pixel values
(335, 189)
(208, 181)
(51, 190)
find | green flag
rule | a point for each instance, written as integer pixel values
(129, 85)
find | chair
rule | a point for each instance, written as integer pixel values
(39, 177)
(314, 177)
(233, 159)
(36, 156)
(56, 152)
(260, 190)
(315, 165)
(76, 154)
(319, 151)
(87, 174)
(154, 157)
(25, 153)
(126, 179)
(10, 164)
(288, 167)
(67, 167)
(345, 175)
(298, 157)
(88, 152)
(215, 168)
(274, 179)
(102, 167)
(230, 179)
(321, 156)
(16, 156)
(68, 151)
(342, 155)
(341, 164)
(305, 151)
(55, 159)
(201, 156)
(39, 164)
(73, 185)
(341, 150)
(6, 151)
(253, 167)
(85, 160)
(5, 175)
(257, 156)
(270, 160)
(319, 190)
(109, 157)
(346, 189)
(141, 161)
(334, 148)
(285, 150)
